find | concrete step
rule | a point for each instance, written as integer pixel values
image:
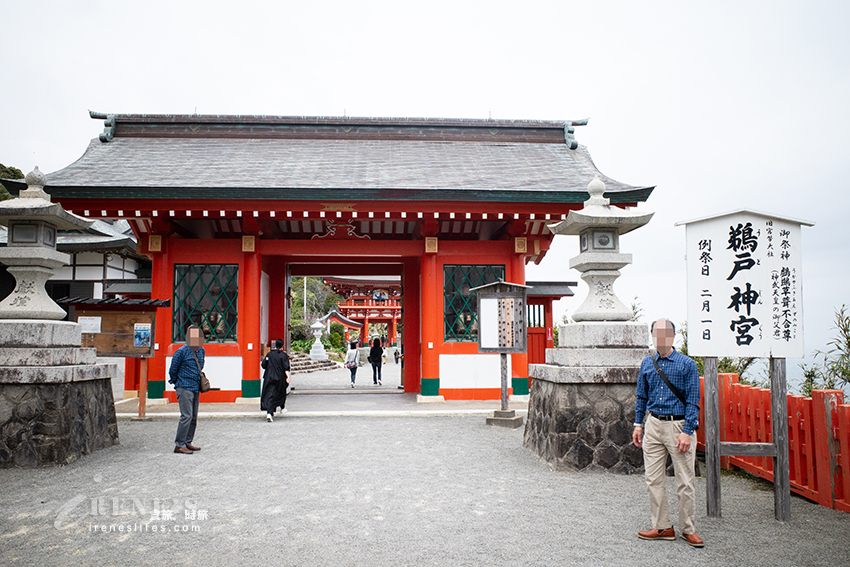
(301, 363)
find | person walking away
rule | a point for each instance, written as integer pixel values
(185, 374)
(276, 378)
(668, 391)
(352, 360)
(376, 358)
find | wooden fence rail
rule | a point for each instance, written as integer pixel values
(818, 435)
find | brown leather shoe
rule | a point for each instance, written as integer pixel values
(668, 534)
(183, 450)
(693, 540)
(193, 448)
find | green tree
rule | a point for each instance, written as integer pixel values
(8, 173)
(320, 299)
(637, 310)
(833, 372)
(725, 365)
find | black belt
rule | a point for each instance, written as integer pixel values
(667, 417)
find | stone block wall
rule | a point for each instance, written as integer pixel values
(55, 424)
(583, 426)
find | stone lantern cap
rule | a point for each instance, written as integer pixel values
(33, 204)
(317, 325)
(598, 213)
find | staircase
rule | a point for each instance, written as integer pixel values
(302, 363)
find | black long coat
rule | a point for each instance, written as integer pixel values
(273, 396)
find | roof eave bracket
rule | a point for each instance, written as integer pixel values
(108, 129)
(569, 130)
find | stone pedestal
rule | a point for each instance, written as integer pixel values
(582, 401)
(505, 418)
(56, 403)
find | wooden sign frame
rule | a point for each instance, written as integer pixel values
(124, 333)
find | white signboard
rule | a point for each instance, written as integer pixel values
(89, 324)
(745, 286)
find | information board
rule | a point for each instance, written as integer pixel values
(744, 273)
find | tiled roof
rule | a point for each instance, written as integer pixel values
(382, 159)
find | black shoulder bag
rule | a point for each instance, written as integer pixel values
(678, 393)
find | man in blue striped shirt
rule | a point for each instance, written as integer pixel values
(185, 374)
(670, 426)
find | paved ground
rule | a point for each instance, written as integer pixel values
(372, 491)
(328, 393)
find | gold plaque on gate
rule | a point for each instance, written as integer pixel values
(155, 243)
(520, 245)
(430, 244)
(247, 244)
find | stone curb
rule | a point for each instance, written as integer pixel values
(353, 413)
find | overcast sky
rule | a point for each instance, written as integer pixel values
(720, 105)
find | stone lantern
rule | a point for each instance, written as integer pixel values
(582, 400)
(317, 351)
(55, 398)
(599, 226)
(30, 253)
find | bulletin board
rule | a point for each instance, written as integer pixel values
(128, 334)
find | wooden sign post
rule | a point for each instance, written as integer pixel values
(126, 333)
(502, 329)
(745, 299)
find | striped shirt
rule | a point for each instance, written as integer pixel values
(653, 394)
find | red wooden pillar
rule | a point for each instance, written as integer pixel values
(549, 323)
(277, 300)
(162, 278)
(249, 341)
(824, 419)
(131, 374)
(432, 322)
(519, 362)
(411, 332)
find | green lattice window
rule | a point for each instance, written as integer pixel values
(205, 295)
(460, 306)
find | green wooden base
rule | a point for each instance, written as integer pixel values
(430, 387)
(156, 389)
(250, 388)
(520, 386)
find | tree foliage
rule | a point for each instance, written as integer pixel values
(725, 365)
(8, 173)
(320, 299)
(833, 371)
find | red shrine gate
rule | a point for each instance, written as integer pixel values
(229, 208)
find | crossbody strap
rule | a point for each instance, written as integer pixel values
(198, 364)
(673, 388)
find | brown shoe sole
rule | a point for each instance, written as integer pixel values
(693, 544)
(665, 538)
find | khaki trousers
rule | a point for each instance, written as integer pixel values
(659, 440)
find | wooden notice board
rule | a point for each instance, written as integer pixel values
(123, 333)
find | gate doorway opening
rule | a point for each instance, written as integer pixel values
(371, 307)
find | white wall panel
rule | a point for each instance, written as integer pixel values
(471, 371)
(224, 372)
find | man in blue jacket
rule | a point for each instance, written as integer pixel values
(668, 390)
(185, 374)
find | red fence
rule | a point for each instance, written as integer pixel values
(537, 345)
(818, 438)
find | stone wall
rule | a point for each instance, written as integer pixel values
(583, 426)
(55, 424)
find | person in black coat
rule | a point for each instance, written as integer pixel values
(275, 380)
(376, 355)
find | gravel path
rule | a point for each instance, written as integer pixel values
(375, 492)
